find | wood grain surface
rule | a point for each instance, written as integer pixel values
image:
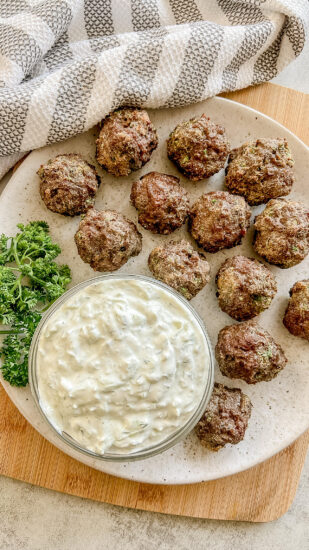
(260, 494)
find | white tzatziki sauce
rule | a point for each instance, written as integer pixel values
(121, 365)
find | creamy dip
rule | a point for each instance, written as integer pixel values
(121, 365)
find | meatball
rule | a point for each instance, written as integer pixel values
(68, 184)
(162, 203)
(296, 317)
(260, 170)
(107, 239)
(249, 352)
(225, 419)
(198, 147)
(126, 141)
(245, 287)
(178, 265)
(219, 220)
(282, 233)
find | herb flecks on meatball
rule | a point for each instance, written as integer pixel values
(225, 419)
(106, 240)
(126, 141)
(296, 317)
(162, 203)
(68, 184)
(282, 232)
(178, 265)
(198, 147)
(219, 220)
(260, 170)
(245, 287)
(249, 352)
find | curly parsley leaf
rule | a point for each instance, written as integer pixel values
(30, 280)
(15, 349)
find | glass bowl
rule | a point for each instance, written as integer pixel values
(171, 439)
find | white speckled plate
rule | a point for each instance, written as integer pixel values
(281, 407)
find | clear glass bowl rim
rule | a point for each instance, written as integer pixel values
(172, 439)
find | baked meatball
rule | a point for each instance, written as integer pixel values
(219, 220)
(126, 141)
(198, 147)
(162, 203)
(68, 184)
(245, 287)
(296, 317)
(178, 265)
(282, 233)
(225, 419)
(106, 239)
(260, 170)
(249, 352)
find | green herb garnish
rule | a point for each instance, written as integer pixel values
(30, 281)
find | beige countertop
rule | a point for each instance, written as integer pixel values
(32, 518)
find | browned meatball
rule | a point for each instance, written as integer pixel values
(177, 264)
(245, 287)
(198, 147)
(296, 317)
(226, 418)
(162, 203)
(106, 239)
(219, 220)
(260, 170)
(282, 233)
(68, 184)
(249, 352)
(126, 141)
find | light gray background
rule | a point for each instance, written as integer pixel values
(37, 519)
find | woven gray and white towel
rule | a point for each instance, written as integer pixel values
(64, 64)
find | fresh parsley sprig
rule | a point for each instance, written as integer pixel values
(30, 281)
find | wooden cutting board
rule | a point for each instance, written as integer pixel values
(263, 493)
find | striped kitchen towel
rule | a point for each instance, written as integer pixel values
(65, 64)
